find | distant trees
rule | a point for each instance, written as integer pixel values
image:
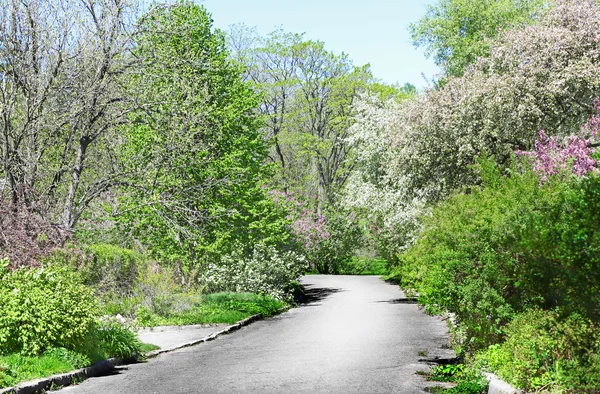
(307, 95)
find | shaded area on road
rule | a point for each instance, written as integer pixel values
(312, 295)
(402, 300)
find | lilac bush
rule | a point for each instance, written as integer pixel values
(327, 239)
(553, 155)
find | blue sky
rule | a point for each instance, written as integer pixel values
(369, 31)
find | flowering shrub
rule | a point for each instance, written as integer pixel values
(267, 271)
(378, 190)
(551, 156)
(327, 240)
(544, 76)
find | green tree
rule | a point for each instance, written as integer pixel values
(455, 32)
(197, 142)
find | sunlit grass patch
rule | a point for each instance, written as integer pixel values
(226, 307)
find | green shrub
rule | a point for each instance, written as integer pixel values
(111, 269)
(506, 247)
(364, 266)
(116, 340)
(547, 349)
(43, 308)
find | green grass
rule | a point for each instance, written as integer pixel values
(214, 308)
(366, 266)
(15, 368)
(468, 381)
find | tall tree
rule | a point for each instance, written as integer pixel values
(197, 139)
(307, 94)
(60, 99)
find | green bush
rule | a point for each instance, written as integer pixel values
(116, 340)
(111, 269)
(506, 247)
(546, 349)
(43, 308)
(365, 266)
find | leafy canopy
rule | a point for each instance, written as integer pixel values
(455, 32)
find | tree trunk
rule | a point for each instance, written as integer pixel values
(69, 217)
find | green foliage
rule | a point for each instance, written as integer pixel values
(111, 269)
(506, 247)
(156, 289)
(199, 144)
(43, 308)
(15, 368)
(545, 349)
(215, 308)
(446, 373)
(468, 380)
(365, 266)
(457, 32)
(116, 340)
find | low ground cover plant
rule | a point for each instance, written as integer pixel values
(545, 350)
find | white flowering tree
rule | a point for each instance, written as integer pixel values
(541, 77)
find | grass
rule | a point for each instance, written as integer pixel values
(467, 381)
(110, 340)
(224, 307)
(366, 266)
(15, 368)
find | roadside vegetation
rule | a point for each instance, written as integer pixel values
(157, 171)
(486, 192)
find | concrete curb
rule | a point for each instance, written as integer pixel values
(498, 386)
(104, 367)
(64, 379)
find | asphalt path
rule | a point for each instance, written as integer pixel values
(353, 334)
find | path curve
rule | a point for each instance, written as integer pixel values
(353, 334)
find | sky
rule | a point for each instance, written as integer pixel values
(369, 31)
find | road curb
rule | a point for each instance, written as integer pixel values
(64, 379)
(103, 367)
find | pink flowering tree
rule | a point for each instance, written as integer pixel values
(574, 155)
(327, 240)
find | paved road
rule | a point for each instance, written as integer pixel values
(354, 335)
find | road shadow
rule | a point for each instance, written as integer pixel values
(440, 360)
(402, 300)
(311, 296)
